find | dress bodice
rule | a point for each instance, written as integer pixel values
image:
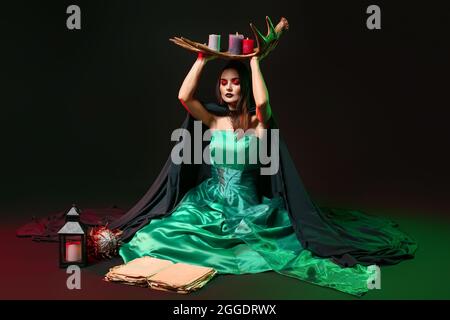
(234, 165)
(229, 151)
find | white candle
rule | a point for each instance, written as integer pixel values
(214, 42)
(73, 251)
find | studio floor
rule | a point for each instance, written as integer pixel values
(30, 271)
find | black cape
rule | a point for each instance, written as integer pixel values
(346, 236)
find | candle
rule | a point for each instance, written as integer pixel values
(73, 251)
(247, 46)
(214, 42)
(235, 43)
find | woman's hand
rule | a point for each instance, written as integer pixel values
(254, 59)
(205, 57)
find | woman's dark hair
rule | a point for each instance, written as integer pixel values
(239, 116)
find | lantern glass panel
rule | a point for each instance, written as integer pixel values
(72, 249)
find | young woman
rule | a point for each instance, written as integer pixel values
(224, 222)
(226, 215)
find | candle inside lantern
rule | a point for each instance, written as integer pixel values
(247, 46)
(214, 42)
(73, 251)
(235, 43)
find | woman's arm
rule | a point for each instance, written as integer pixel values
(263, 110)
(187, 91)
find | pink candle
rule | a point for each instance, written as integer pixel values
(73, 251)
(247, 46)
(235, 43)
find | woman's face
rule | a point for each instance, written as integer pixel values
(230, 86)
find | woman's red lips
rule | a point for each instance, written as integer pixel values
(228, 95)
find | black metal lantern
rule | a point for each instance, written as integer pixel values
(72, 241)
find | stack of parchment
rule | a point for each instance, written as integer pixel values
(161, 274)
(181, 278)
(137, 271)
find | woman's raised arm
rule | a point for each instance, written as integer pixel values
(187, 91)
(263, 110)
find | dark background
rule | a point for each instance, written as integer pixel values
(86, 115)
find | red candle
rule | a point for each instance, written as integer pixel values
(247, 46)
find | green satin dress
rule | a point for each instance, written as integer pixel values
(222, 223)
